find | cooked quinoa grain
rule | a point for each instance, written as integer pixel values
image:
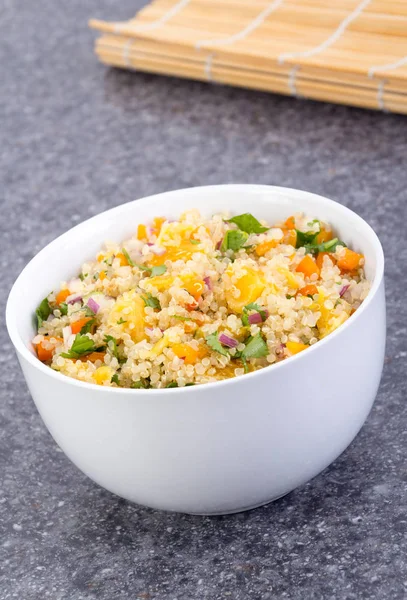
(194, 301)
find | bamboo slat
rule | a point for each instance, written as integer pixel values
(350, 52)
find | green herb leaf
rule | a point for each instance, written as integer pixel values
(82, 276)
(234, 240)
(248, 223)
(180, 318)
(151, 301)
(63, 307)
(158, 270)
(245, 365)
(257, 308)
(138, 385)
(289, 297)
(305, 238)
(115, 379)
(126, 254)
(88, 326)
(172, 384)
(189, 384)
(256, 348)
(329, 246)
(43, 312)
(213, 342)
(82, 345)
(88, 311)
(194, 242)
(96, 276)
(111, 343)
(121, 321)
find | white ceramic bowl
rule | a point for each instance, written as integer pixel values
(220, 447)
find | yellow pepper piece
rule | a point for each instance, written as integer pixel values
(103, 375)
(290, 277)
(183, 251)
(296, 347)
(130, 308)
(159, 346)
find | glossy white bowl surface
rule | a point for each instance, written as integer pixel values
(221, 447)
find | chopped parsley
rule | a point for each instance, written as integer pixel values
(88, 326)
(256, 348)
(88, 311)
(43, 312)
(140, 384)
(213, 342)
(247, 223)
(121, 321)
(329, 246)
(194, 242)
(151, 301)
(82, 276)
(305, 238)
(153, 271)
(82, 345)
(257, 308)
(234, 240)
(180, 318)
(63, 307)
(111, 343)
(115, 379)
(96, 276)
(172, 384)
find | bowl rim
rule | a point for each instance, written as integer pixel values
(22, 349)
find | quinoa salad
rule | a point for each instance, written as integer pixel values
(195, 300)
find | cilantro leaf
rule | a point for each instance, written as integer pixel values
(304, 238)
(256, 348)
(126, 254)
(151, 301)
(329, 246)
(257, 308)
(234, 240)
(43, 312)
(246, 222)
(63, 307)
(82, 345)
(245, 365)
(213, 342)
(138, 385)
(158, 270)
(180, 318)
(121, 321)
(194, 242)
(173, 384)
(88, 326)
(115, 379)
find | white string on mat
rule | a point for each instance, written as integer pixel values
(330, 40)
(259, 20)
(380, 96)
(389, 67)
(118, 28)
(126, 52)
(208, 68)
(292, 81)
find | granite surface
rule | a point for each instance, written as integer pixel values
(77, 138)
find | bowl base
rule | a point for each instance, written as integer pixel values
(234, 511)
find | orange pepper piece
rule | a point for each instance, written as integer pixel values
(62, 296)
(77, 325)
(349, 260)
(324, 236)
(290, 237)
(308, 290)
(141, 232)
(157, 224)
(102, 275)
(195, 288)
(295, 347)
(188, 353)
(308, 266)
(93, 357)
(320, 259)
(264, 247)
(290, 223)
(122, 258)
(45, 354)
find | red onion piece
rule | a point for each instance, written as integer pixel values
(256, 317)
(150, 244)
(208, 282)
(218, 245)
(228, 341)
(344, 290)
(74, 300)
(93, 305)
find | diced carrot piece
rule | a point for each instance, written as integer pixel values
(122, 258)
(46, 354)
(195, 288)
(324, 236)
(100, 257)
(102, 275)
(93, 357)
(264, 247)
(308, 290)
(295, 347)
(141, 232)
(290, 237)
(191, 306)
(290, 223)
(62, 296)
(320, 259)
(76, 326)
(349, 260)
(308, 266)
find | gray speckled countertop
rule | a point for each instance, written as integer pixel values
(77, 138)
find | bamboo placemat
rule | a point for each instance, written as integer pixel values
(345, 51)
